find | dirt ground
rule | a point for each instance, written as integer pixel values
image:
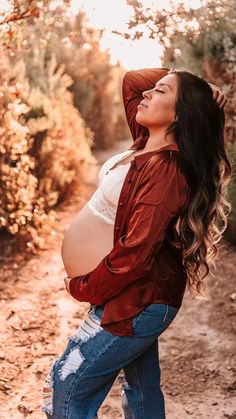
(197, 352)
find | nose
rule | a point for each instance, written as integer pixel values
(146, 93)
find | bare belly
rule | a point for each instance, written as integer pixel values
(88, 239)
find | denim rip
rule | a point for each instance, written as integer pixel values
(88, 329)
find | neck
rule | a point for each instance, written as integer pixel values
(157, 140)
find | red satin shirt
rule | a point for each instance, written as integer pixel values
(145, 264)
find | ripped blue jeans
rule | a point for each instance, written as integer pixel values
(79, 381)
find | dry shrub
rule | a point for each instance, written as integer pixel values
(44, 151)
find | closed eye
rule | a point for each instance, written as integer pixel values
(160, 91)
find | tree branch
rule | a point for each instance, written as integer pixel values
(18, 16)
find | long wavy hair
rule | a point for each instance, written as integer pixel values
(199, 129)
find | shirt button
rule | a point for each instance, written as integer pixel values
(117, 228)
(129, 180)
(121, 204)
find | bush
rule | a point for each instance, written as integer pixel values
(44, 149)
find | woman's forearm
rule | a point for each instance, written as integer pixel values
(135, 82)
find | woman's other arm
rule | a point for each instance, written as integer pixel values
(162, 196)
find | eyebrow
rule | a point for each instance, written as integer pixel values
(164, 84)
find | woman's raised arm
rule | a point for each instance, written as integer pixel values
(135, 82)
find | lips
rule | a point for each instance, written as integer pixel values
(142, 105)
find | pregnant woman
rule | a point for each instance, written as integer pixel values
(149, 230)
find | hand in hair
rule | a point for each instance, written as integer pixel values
(218, 95)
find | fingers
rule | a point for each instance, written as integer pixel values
(220, 98)
(216, 94)
(223, 102)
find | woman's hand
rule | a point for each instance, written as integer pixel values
(67, 281)
(218, 95)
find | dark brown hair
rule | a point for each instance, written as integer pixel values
(199, 132)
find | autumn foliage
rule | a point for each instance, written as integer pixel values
(57, 103)
(44, 146)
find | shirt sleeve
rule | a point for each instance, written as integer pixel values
(132, 257)
(135, 82)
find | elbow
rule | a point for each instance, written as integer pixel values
(128, 76)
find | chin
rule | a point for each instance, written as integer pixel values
(140, 120)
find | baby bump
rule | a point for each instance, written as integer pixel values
(86, 242)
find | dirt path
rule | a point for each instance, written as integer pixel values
(37, 315)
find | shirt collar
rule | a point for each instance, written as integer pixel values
(141, 159)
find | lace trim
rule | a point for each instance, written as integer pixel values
(101, 207)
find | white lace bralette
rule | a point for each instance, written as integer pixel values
(105, 199)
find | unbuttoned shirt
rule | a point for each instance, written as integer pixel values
(145, 265)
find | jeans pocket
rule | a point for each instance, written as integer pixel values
(153, 320)
(155, 309)
(164, 311)
(170, 314)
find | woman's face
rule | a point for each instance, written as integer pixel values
(157, 109)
